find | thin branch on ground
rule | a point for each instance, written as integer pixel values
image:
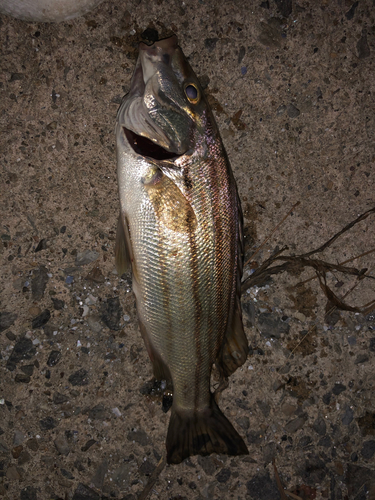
(278, 482)
(153, 478)
(272, 232)
(296, 264)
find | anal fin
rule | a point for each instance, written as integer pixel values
(161, 370)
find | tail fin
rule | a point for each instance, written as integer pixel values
(201, 433)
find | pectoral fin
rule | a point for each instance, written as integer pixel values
(122, 247)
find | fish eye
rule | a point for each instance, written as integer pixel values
(192, 93)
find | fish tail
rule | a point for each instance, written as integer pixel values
(201, 433)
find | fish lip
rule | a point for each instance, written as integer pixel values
(168, 43)
(143, 146)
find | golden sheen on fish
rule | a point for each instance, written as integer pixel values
(180, 230)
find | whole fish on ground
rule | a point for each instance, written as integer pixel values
(180, 230)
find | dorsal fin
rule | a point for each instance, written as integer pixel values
(235, 347)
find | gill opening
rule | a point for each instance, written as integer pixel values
(145, 147)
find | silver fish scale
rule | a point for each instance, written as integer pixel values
(180, 298)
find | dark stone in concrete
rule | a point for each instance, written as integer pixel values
(362, 46)
(320, 426)
(66, 474)
(27, 369)
(295, 424)
(207, 465)
(6, 320)
(147, 468)
(272, 326)
(210, 43)
(23, 349)
(348, 416)
(250, 312)
(338, 389)
(315, 470)
(138, 436)
(292, 111)
(111, 313)
(48, 423)
(361, 358)
(80, 377)
(83, 492)
(21, 378)
(99, 476)
(285, 7)
(262, 486)
(325, 442)
(304, 441)
(359, 480)
(53, 358)
(99, 412)
(88, 445)
(327, 398)
(223, 475)
(29, 493)
(367, 424)
(255, 437)
(58, 304)
(264, 407)
(59, 398)
(350, 14)
(243, 422)
(42, 319)
(39, 282)
(368, 449)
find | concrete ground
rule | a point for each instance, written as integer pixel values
(292, 86)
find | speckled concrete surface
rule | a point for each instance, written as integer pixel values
(293, 93)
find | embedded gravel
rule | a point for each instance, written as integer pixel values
(293, 89)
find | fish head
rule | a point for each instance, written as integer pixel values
(165, 112)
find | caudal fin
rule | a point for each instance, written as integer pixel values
(201, 433)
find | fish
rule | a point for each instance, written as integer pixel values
(180, 231)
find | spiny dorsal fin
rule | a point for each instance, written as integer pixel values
(235, 347)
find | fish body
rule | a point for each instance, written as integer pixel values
(180, 230)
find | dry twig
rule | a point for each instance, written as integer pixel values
(298, 263)
(153, 478)
(278, 482)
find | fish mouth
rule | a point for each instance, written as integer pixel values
(146, 147)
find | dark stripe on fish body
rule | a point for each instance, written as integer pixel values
(166, 293)
(196, 299)
(187, 180)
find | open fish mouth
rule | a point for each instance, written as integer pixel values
(146, 147)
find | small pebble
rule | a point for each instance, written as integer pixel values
(18, 437)
(348, 416)
(62, 445)
(80, 377)
(86, 257)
